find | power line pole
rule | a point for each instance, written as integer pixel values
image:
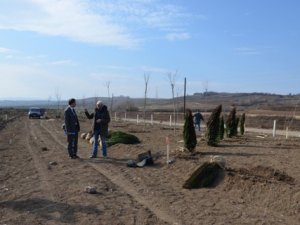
(184, 98)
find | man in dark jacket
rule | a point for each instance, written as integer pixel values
(72, 128)
(198, 117)
(100, 127)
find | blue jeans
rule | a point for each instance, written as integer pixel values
(95, 145)
(197, 124)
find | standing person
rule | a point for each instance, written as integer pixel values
(198, 117)
(100, 127)
(72, 128)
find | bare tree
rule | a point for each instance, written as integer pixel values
(205, 86)
(58, 99)
(177, 103)
(107, 85)
(146, 80)
(172, 80)
(83, 102)
(111, 103)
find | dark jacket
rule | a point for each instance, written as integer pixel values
(72, 125)
(103, 115)
(198, 117)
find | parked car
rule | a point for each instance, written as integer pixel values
(34, 112)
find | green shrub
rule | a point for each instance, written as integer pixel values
(231, 123)
(221, 130)
(236, 124)
(242, 124)
(116, 137)
(213, 127)
(189, 134)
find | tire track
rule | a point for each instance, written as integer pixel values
(152, 204)
(57, 140)
(42, 172)
(119, 180)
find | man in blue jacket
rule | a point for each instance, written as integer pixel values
(100, 127)
(72, 128)
(197, 119)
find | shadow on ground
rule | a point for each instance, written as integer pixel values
(49, 210)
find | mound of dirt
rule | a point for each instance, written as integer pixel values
(259, 174)
(204, 176)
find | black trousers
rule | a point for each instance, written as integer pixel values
(72, 144)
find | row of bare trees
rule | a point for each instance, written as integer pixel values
(171, 78)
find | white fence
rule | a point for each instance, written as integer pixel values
(169, 121)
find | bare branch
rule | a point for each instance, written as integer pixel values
(172, 80)
(146, 80)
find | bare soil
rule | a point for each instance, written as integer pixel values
(39, 184)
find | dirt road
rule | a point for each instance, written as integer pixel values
(39, 184)
(35, 192)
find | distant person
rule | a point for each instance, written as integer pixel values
(197, 119)
(100, 127)
(72, 128)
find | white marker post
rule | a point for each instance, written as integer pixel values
(287, 133)
(168, 149)
(137, 118)
(115, 116)
(170, 120)
(125, 117)
(151, 119)
(274, 129)
(6, 117)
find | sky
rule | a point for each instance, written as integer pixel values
(90, 48)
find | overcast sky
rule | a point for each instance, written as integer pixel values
(76, 47)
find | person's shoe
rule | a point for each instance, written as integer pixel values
(72, 157)
(76, 157)
(93, 157)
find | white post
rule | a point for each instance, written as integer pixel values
(6, 117)
(137, 118)
(125, 116)
(287, 133)
(151, 119)
(168, 149)
(170, 120)
(115, 116)
(274, 128)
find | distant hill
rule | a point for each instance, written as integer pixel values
(24, 103)
(203, 101)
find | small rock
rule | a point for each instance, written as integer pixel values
(44, 149)
(53, 163)
(91, 190)
(220, 160)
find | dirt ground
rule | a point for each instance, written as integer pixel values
(39, 184)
